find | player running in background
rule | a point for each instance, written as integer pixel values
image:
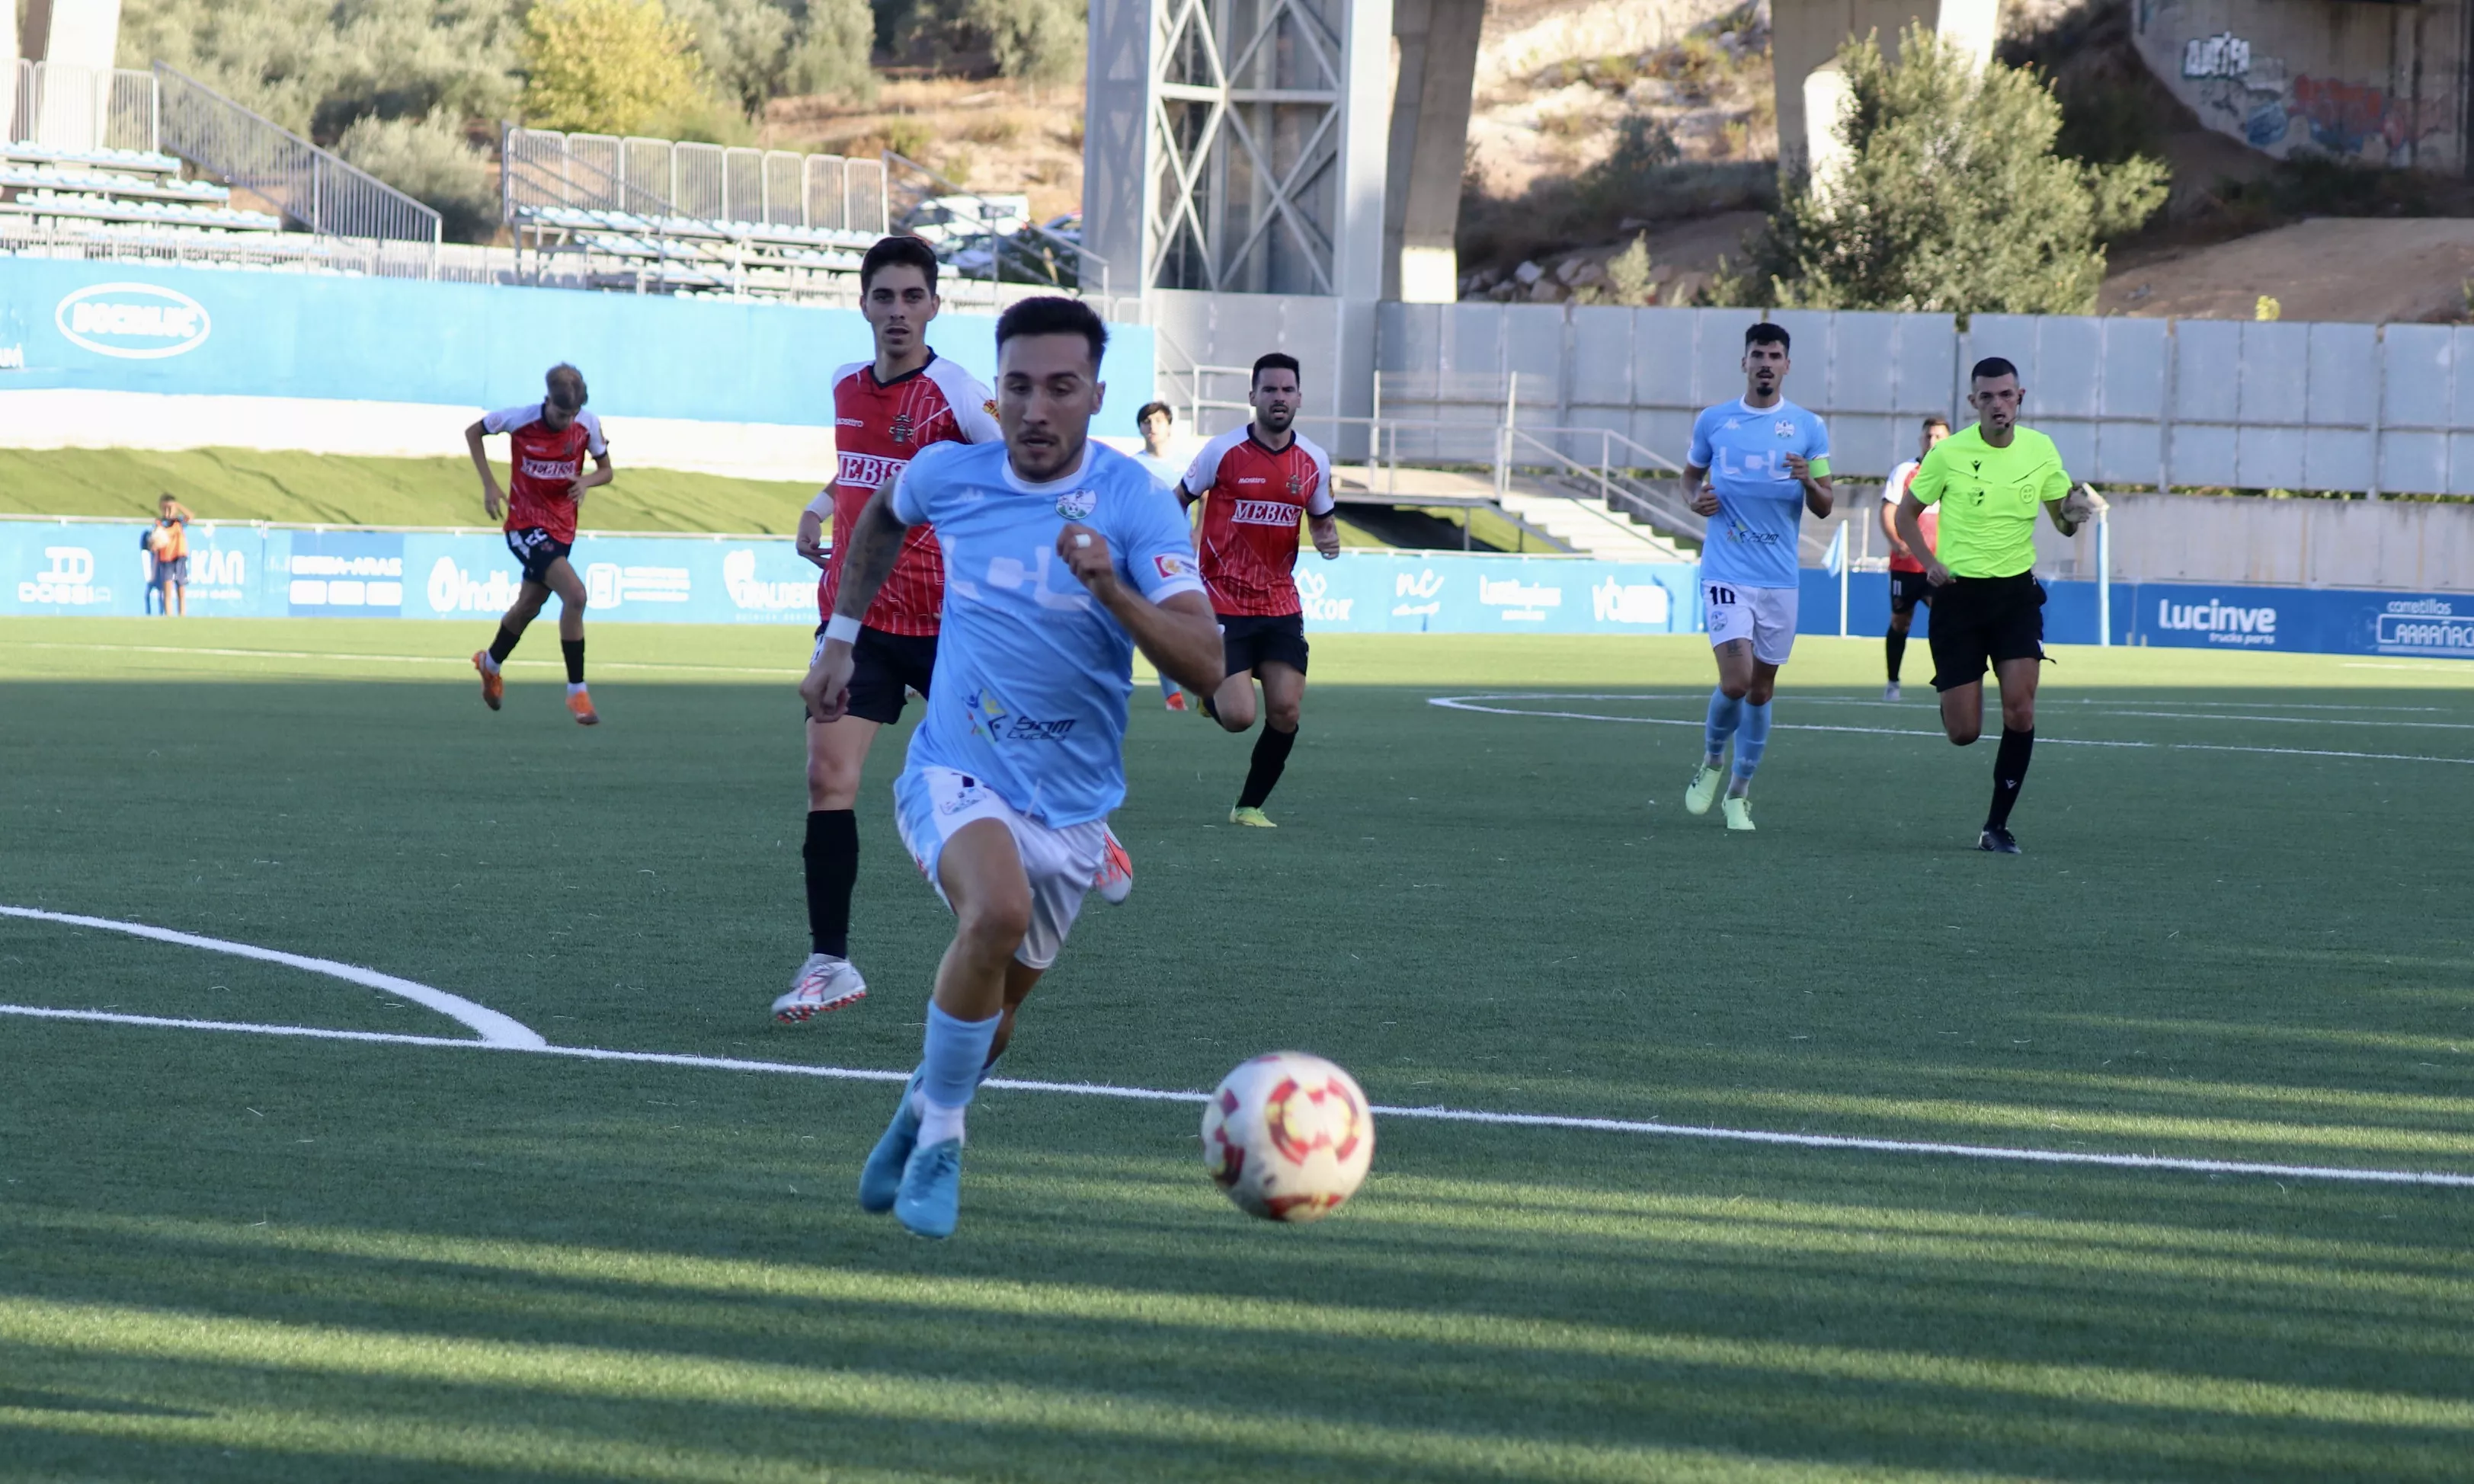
(1988, 604)
(884, 412)
(1155, 420)
(1064, 557)
(1253, 483)
(1907, 584)
(546, 442)
(1766, 461)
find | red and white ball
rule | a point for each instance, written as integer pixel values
(1288, 1137)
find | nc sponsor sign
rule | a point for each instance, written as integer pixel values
(1446, 592)
(118, 326)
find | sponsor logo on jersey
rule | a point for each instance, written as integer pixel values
(993, 719)
(867, 470)
(1077, 504)
(850, 422)
(902, 428)
(1252, 479)
(1170, 567)
(550, 468)
(991, 406)
(1264, 512)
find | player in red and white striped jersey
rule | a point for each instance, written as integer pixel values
(548, 443)
(884, 411)
(1254, 482)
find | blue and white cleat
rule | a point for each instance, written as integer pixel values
(930, 1201)
(880, 1180)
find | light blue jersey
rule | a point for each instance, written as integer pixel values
(1752, 538)
(1166, 473)
(1031, 673)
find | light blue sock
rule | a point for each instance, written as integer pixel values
(1750, 740)
(1724, 715)
(955, 1050)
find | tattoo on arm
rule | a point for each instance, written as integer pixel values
(875, 542)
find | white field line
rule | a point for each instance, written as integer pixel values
(1473, 703)
(1630, 1126)
(457, 660)
(493, 1027)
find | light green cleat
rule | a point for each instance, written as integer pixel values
(1739, 813)
(1253, 817)
(1704, 789)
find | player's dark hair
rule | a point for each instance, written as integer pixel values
(562, 373)
(1937, 421)
(1992, 368)
(1053, 315)
(1766, 335)
(1150, 407)
(899, 251)
(1278, 361)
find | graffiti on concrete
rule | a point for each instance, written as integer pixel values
(2345, 117)
(2223, 55)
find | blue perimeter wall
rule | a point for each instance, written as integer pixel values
(133, 327)
(244, 571)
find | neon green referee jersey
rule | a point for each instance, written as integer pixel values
(1989, 498)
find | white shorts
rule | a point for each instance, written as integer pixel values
(1765, 615)
(930, 803)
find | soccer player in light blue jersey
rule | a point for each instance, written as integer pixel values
(1061, 558)
(1761, 462)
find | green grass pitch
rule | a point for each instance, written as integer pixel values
(248, 1257)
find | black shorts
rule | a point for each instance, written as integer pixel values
(1980, 618)
(1909, 589)
(536, 549)
(883, 666)
(1248, 641)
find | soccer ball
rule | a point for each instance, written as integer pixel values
(1288, 1137)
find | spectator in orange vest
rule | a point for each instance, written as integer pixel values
(167, 545)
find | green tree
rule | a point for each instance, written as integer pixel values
(1037, 40)
(608, 66)
(430, 160)
(758, 50)
(1950, 196)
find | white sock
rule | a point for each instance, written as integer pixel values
(575, 687)
(937, 1123)
(489, 662)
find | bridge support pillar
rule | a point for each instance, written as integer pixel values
(1430, 114)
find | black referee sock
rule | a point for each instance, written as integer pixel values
(2009, 773)
(1271, 756)
(503, 646)
(832, 855)
(573, 650)
(1895, 643)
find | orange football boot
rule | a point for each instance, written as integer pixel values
(493, 686)
(580, 705)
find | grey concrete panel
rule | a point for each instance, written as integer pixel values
(1863, 362)
(2460, 463)
(2344, 374)
(2207, 373)
(1665, 430)
(1718, 355)
(1411, 337)
(2276, 374)
(2204, 455)
(2460, 362)
(2125, 453)
(2417, 375)
(1473, 338)
(1663, 356)
(2134, 369)
(2010, 336)
(2069, 368)
(2267, 458)
(1926, 353)
(2073, 439)
(2413, 463)
(1533, 344)
(1601, 357)
(2337, 459)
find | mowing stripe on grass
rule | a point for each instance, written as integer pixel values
(493, 1028)
(414, 659)
(2300, 1172)
(1473, 703)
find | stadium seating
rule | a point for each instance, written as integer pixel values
(96, 190)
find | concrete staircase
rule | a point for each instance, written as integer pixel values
(1586, 525)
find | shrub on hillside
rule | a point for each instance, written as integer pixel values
(430, 160)
(1952, 197)
(1037, 40)
(608, 66)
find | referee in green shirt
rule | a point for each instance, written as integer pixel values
(1987, 603)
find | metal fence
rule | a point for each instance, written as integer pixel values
(703, 183)
(290, 173)
(83, 108)
(2155, 403)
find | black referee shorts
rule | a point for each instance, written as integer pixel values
(1976, 620)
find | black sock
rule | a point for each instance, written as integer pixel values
(2009, 773)
(1896, 644)
(503, 646)
(573, 650)
(832, 854)
(1271, 756)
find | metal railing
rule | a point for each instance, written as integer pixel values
(298, 178)
(74, 108)
(541, 170)
(1036, 253)
(704, 182)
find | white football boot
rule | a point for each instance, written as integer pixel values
(824, 983)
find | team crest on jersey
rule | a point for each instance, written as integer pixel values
(1077, 504)
(1297, 485)
(903, 427)
(1784, 428)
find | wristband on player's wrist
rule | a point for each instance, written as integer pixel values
(842, 626)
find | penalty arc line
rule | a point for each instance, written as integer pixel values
(1640, 1127)
(492, 1027)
